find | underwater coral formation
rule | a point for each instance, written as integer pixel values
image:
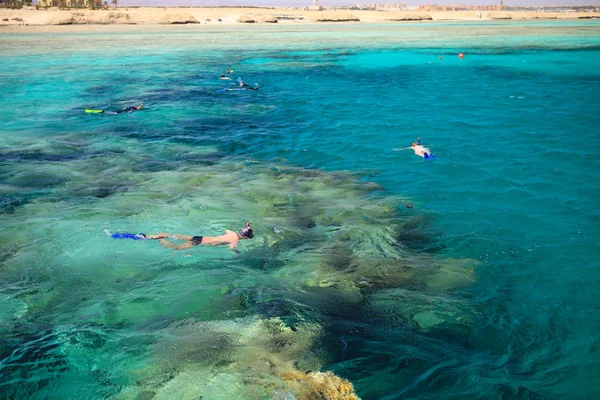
(331, 256)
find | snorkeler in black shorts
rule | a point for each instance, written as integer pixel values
(230, 238)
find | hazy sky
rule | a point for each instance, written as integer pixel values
(301, 3)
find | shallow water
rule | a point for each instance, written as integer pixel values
(472, 275)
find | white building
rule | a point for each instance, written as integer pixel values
(315, 7)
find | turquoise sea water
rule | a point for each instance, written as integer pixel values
(473, 275)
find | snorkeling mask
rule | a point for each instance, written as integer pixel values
(246, 232)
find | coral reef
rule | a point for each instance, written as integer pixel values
(328, 249)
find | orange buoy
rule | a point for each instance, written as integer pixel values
(461, 55)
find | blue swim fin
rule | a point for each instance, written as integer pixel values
(123, 235)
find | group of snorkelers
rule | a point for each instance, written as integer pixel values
(225, 77)
(241, 84)
(229, 238)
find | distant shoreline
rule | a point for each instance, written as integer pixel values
(255, 16)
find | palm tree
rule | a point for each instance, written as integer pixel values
(114, 2)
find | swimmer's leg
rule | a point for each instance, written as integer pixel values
(188, 244)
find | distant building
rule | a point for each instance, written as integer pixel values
(316, 7)
(14, 3)
(389, 6)
(70, 3)
(460, 7)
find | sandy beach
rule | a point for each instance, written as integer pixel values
(231, 16)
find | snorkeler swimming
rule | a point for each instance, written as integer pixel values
(247, 87)
(128, 109)
(230, 238)
(224, 78)
(420, 150)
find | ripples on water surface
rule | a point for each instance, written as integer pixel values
(469, 276)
